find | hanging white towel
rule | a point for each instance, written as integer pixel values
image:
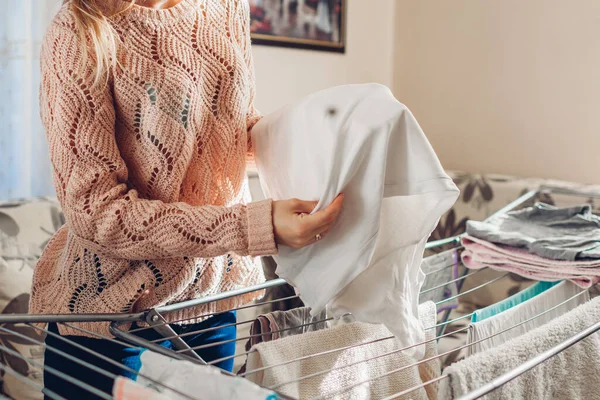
(544, 307)
(571, 374)
(359, 140)
(346, 367)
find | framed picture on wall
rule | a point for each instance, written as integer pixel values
(307, 24)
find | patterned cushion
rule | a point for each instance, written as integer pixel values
(25, 229)
(480, 196)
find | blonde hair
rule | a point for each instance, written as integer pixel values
(92, 17)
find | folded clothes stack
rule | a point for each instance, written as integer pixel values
(542, 242)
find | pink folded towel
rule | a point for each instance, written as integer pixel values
(480, 253)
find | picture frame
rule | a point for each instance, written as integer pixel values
(305, 24)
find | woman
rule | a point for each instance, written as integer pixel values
(147, 107)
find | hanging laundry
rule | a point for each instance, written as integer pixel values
(281, 297)
(537, 311)
(198, 381)
(296, 321)
(359, 140)
(568, 234)
(440, 269)
(571, 374)
(347, 366)
(511, 301)
(479, 253)
(279, 324)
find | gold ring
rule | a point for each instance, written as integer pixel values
(318, 237)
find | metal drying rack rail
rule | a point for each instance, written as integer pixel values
(155, 319)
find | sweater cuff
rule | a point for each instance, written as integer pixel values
(261, 239)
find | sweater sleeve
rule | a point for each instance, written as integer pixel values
(243, 37)
(91, 177)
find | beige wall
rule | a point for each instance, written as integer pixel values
(284, 75)
(507, 86)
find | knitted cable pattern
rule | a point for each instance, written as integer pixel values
(150, 169)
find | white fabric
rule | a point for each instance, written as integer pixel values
(199, 381)
(440, 269)
(572, 374)
(126, 389)
(531, 308)
(346, 367)
(359, 140)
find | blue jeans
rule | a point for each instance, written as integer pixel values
(128, 356)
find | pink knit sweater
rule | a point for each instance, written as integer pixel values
(150, 169)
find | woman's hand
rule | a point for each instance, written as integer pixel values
(295, 227)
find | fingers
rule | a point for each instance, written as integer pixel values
(302, 206)
(324, 219)
(318, 223)
(311, 240)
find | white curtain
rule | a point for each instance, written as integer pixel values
(24, 164)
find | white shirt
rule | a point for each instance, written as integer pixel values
(359, 140)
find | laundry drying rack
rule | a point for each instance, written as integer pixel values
(154, 319)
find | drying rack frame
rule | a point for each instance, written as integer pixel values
(154, 319)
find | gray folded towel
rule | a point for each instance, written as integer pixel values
(569, 234)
